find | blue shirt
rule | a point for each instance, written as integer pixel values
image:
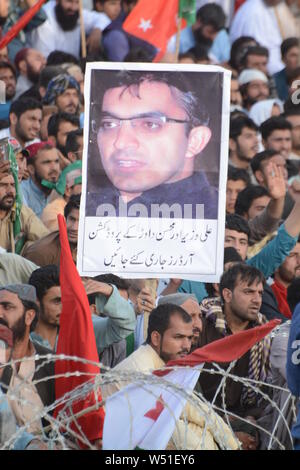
(220, 49)
(293, 367)
(34, 197)
(267, 261)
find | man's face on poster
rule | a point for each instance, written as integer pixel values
(144, 137)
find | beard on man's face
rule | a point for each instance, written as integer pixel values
(32, 75)
(7, 202)
(202, 40)
(66, 22)
(19, 328)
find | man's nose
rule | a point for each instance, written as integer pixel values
(126, 136)
(186, 343)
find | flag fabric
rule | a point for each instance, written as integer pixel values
(149, 411)
(187, 11)
(76, 338)
(154, 21)
(21, 23)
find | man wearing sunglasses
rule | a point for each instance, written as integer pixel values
(148, 133)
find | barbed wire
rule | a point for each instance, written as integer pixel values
(60, 434)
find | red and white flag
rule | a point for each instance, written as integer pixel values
(76, 338)
(144, 415)
(154, 21)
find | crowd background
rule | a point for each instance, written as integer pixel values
(40, 177)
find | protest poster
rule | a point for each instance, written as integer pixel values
(154, 170)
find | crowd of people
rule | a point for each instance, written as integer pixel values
(142, 324)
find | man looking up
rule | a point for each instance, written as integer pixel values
(142, 117)
(44, 170)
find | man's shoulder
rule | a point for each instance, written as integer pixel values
(48, 241)
(144, 359)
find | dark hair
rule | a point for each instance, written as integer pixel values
(261, 157)
(43, 279)
(287, 44)
(238, 124)
(240, 272)
(47, 73)
(293, 75)
(7, 65)
(253, 50)
(22, 105)
(56, 119)
(291, 105)
(272, 124)
(59, 57)
(293, 293)
(28, 305)
(113, 279)
(32, 159)
(187, 99)
(236, 174)
(238, 48)
(92, 298)
(188, 55)
(231, 255)
(159, 318)
(247, 196)
(212, 15)
(292, 111)
(72, 144)
(137, 54)
(237, 223)
(73, 203)
(199, 52)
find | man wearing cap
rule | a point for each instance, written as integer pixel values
(8, 425)
(18, 223)
(63, 91)
(253, 86)
(19, 312)
(69, 184)
(44, 169)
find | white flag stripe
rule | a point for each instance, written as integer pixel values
(127, 427)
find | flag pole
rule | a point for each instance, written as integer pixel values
(178, 39)
(82, 30)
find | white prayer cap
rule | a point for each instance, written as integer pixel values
(249, 75)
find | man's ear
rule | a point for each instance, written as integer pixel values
(29, 316)
(155, 338)
(227, 295)
(23, 66)
(13, 118)
(259, 177)
(198, 140)
(232, 145)
(52, 139)
(31, 169)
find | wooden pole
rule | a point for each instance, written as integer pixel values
(82, 30)
(178, 39)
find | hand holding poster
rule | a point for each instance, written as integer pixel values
(154, 171)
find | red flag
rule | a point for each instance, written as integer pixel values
(154, 21)
(21, 23)
(76, 338)
(225, 350)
